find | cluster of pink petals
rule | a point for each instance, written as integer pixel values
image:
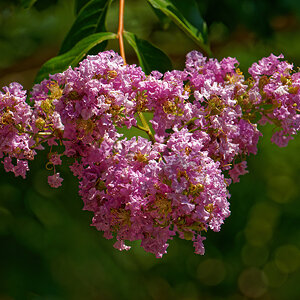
(55, 180)
(277, 92)
(15, 141)
(204, 120)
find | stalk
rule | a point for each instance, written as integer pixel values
(121, 29)
(145, 127)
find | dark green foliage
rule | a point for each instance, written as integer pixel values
(79, 4)
(164, 19)
(187, 16)
(91, 19)
(150, 58)
(27, 3)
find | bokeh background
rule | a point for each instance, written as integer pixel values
(47, 248)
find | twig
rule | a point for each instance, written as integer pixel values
(121, 29)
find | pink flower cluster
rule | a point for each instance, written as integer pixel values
(15, 140)
(203, 127)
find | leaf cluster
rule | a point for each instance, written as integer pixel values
(88, 34)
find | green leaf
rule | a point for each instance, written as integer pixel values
(91, 19)
(187, 16)
(164, 19)
(79, 4)
(74, 56)
(27, 3)
(150, 57)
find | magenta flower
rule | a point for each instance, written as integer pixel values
(205, 122)
(55, 180)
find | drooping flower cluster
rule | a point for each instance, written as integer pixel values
(15, 139)
(204, 125)
(275, 93)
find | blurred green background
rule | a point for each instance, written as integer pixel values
(47, 248)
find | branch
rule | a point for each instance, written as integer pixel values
(121, 29)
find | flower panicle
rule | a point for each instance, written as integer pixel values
(201, 124)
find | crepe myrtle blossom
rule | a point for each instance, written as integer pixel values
(55, 180)
(16, 141)
(201, 124)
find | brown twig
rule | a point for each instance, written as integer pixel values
(121, 29)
